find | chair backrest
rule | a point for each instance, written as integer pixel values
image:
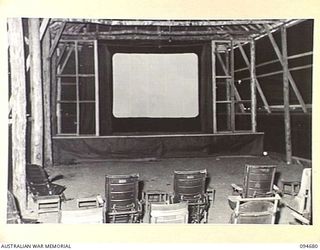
(36, 174)
(258, 180)
(255, 212)
(81, 216)
(189, 185)
(303, 198)
(169, 213)
(122, 192)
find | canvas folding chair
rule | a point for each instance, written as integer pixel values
(256, 201)
(82, 216)
(46, 194)
(190, 187)
(300, 204)
(169, 213)
(122, 203)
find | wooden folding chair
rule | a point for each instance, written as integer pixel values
(122, 203)
(190, 187)
(256, 201)
(47, 195)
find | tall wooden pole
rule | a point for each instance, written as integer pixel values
(19, 105)
(214, 84)
(253, 87)
(286, 103)
(46, 74)
(36, 92)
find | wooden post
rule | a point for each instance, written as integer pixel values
(46, 99)
(286, 96)
(19, 105)
(253, 87)
(36, 92)
(96, 78)
(228, 88)
(77, 86)
(232, 92)
(214, 84)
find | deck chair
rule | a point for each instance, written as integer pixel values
(46, 194)
(301, 203)
(261, 210)
(122, 203)
(190, 187)
(258, 181)
(169, 213)
(82, 216)
(255, 202)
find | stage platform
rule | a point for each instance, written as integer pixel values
(73, 149)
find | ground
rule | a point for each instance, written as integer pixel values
(88, 178)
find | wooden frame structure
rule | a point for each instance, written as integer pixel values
(46, 34)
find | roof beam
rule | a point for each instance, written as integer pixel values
(170, 22)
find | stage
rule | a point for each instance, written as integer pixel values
(74, 149)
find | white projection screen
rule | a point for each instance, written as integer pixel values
(155, 85)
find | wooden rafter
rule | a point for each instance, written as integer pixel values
(56, 39)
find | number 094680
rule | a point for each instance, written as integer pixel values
(309, 246)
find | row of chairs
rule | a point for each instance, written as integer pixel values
(255, 201)
(188, 203)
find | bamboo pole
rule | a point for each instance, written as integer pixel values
(253, 87)
(19, 104)
(36, 92)
(286, 96)
(46, 74)
(214, 85)
(77, 86)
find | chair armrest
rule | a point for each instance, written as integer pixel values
(236, 187)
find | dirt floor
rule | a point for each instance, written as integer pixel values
(88, 179)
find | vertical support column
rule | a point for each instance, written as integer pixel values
(58, 98)
(286, 96)
(19, 106)
(214, 84)
(232, 92)
(46, 99)
(77, 86)
(96, 78)
(253, 87)
(228, 88)
(36, 92)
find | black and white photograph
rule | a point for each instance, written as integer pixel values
(160, 121)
